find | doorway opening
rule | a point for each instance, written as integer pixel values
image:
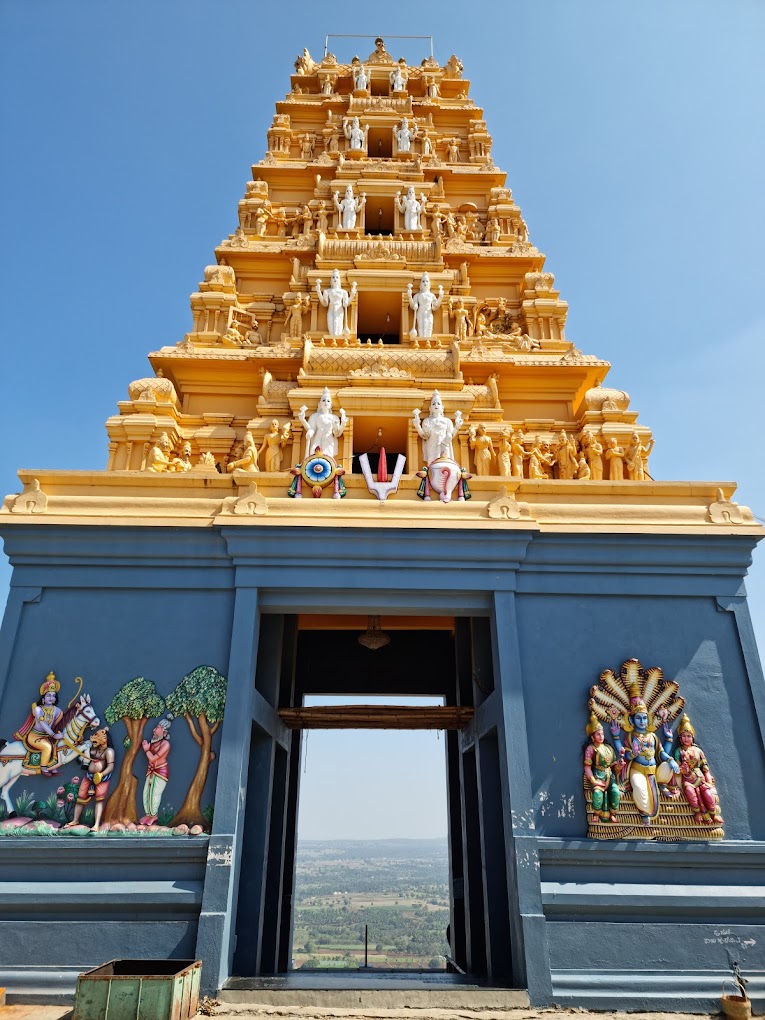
(372, 886)
(359, 673)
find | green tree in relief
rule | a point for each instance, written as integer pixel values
(200, 698)
(134, 704)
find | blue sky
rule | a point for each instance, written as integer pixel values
(631, 134)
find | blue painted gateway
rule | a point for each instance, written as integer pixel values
(584, 624)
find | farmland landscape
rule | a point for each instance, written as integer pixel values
(397, 887)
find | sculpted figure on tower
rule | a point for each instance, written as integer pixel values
(348, 207)
(404, 135)
(323, 428)
(411, 208)
(437, 431)
(336, 300)
(423, 304)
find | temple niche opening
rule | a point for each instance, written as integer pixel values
(377, 413)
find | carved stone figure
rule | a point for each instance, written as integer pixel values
(437, 431)
(583, 468)
(481, 443)
(504, 462)
(453, 67)
(158, 457)
(404, 135)
(349, 207)
(493, 231)
(399, 77)
(461, 316)
(294, 320)
(356, 135)
(593, 451)
(424, 303)
(323, 428)
(307, 142)
(273, 442)
(538, 459)
(336, 300)
(360, 76)
(305, 64)
(518, 453)
(411, 208)
(454, 150)
(600, 767)
(322, 218)
(636, 458)
(249, 459)
(615, 457)
(565, 456)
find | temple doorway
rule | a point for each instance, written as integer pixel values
(371, 889)
(335, 673)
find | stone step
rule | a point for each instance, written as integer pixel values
(395, 993)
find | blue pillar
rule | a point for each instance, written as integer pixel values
(217, 921)
(530, 952)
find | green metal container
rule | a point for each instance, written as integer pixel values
(139, 990)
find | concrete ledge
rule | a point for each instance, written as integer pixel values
(41, 985)
(686, 991)
(596, 900)
(160, 899)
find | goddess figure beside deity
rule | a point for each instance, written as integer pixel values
(323, 428)
(424, 303)
(601, 765)
(404, 135)
(336, 300)
(411, 208)
(348, 207)
(437, 431)
(696, 781)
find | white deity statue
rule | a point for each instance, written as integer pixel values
(349, 207)
(356, 135)
(411, 208)
(360, 78)
(405, 135)
(437, 431)
(323, 428)
(423, 304)
(398, 78)
(336, 300)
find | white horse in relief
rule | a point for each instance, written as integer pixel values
(70, 744)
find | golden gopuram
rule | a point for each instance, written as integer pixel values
(376, 464)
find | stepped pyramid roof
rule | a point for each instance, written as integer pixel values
(380, 256)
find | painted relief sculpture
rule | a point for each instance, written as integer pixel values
(653, 783)
(95, 782)
(49, 739)
(601, 766)
(273, 443)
